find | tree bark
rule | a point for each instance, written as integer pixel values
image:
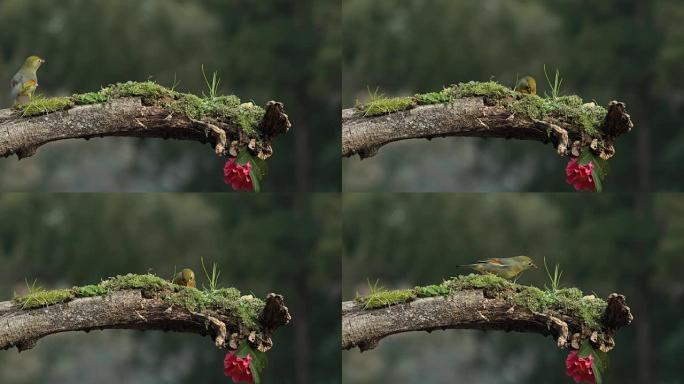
(473, 309)
(126, 309)
(120, 117)
(471, 117)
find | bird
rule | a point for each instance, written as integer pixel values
(186, 278)
(527, 85)
(506, 267)
(25, 81)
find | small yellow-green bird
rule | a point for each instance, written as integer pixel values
(25, 81)
(527, 85)
(185, 277)
(506, 267)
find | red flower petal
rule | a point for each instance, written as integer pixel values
(238, 176)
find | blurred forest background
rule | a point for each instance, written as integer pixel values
(75, 239)
(285, 50)
(629, 50)
(631, 244)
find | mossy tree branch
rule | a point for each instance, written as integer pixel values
(483, 110)
(492, 308)
(229, 320)
(143, 110)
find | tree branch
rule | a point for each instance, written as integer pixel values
(133, 309)
(132, 117)
(472, 117)
(476, 309)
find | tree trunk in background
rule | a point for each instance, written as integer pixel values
(643, 19)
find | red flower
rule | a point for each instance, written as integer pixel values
(237, 368)
(238, 175)
(580, 368)
(580, 176)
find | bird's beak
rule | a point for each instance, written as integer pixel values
(42, 61)
(534, 265)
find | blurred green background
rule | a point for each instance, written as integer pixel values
(629, 50)
(285, 50)
(289, 244)
(631, 244)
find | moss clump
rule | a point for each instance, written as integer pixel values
(245, 310)
(381, 297)
(90, 291)
(568, 108)
(433, 97)
(380, 105)
(571, 300)
(146, 89)
(479, 89)
(39, 297)
(132, 281)
(475, 281)
(41, 105)
(89, 98)
(432, 290)
(247, 116)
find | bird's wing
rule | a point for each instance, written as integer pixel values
(494, 261)
(16, 85)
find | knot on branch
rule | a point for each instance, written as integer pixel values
(617, 313)
(275, 313)
(275, 121)
(617, 121)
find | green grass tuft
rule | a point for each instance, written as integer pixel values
(379, 104)
(39, 297)
(40, 105)
(385, 298)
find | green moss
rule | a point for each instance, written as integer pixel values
(145, 89)
(381, 297)
(380, 105)
(479, 89)
(245, 310)
(432, 290)
(41, 105)
(89, 98)
(443, 96)
(132, 281)
(41, 298)
(477, 281)
(247, 116)
(567, 108)
(570, 109)
(572, 300)
(89, 291)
